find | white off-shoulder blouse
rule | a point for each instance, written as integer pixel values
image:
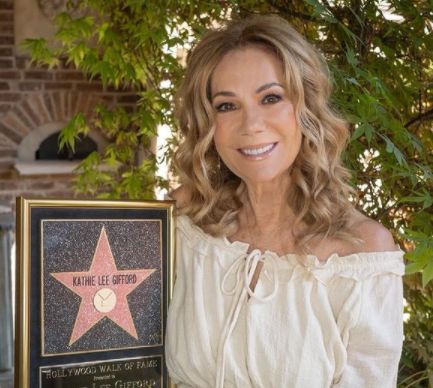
(337, 323)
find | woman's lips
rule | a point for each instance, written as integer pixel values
(257, 151)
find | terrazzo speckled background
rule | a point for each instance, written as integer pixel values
(69, 245)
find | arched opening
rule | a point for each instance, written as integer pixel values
(38, 153)
(49, 149)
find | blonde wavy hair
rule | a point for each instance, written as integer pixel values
(320, 193)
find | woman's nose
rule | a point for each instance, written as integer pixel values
(252, 121)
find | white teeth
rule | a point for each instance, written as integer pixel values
(257, 151)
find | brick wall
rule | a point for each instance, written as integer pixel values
(32, 96)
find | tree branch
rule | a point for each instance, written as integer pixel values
(285, 11)
(427, 115)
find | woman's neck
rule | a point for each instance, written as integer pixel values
(265, 203)
(266, 220)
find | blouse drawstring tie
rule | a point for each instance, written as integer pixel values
(243, 268)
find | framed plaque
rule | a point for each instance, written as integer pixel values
(94, 282)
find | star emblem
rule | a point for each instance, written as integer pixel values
(103, 291)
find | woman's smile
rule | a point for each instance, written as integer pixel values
(258, 152)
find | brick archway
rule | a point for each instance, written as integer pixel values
(37, 111)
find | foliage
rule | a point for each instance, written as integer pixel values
(380, 55)
(128, 45)
(417, 358)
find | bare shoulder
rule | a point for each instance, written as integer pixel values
(181, 195)
(376, 237)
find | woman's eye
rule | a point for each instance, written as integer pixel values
(271, 99)
(225, 107)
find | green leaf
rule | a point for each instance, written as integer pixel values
(321, 11)
(359, 131)
(351, 58)
(102, 30)
(413, 268)
(428, 202)
(353, 81)
(105, 71)
(389, 145)
(425, 198)
(72, 131)
(369, 131)
(40, 52)
(412, 199)
(422, 255)
(399, 156)
(427, 273)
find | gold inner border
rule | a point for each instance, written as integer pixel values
(42, 283)
(24, 206)
(160, 356)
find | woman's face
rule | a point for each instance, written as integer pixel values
(256, 134)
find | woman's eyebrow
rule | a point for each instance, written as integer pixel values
(268, 85)
(224, 93)
(258, 90)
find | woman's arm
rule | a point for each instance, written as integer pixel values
(375, 340)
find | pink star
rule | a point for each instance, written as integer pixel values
(103, 290)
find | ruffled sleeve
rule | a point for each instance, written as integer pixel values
(368, 305)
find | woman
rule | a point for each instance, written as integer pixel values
(280, 281)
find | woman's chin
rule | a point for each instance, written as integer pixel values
(265, 179)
